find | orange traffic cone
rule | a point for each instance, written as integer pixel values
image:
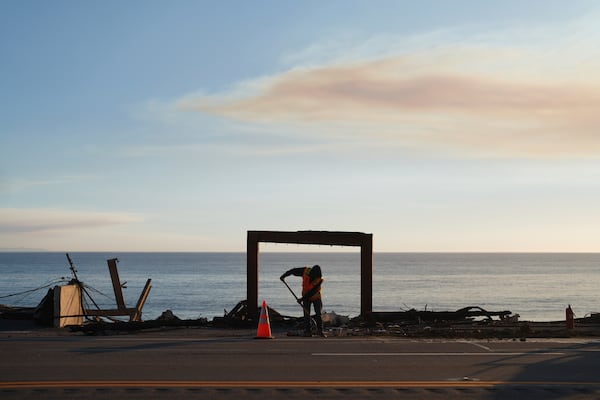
(264, 326)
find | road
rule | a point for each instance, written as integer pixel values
(166, 365)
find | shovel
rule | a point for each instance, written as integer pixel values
(313, 323)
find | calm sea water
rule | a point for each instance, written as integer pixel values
(536, 286)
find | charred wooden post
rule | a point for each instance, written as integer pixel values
(252, 267)
(116, 282)
(137, 316)
(366, 276)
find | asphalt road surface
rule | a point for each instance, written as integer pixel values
(172, 365)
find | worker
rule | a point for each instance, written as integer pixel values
(312, 280)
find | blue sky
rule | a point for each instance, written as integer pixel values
(436, 126)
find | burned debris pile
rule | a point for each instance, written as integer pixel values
(70, 302)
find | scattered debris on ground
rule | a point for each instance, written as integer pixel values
(468, 322)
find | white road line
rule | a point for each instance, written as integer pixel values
(479, 354)
(479, 345)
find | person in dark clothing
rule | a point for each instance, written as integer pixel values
(312, 279)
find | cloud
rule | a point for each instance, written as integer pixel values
(31, 229)
(32, 220)
(366, 93)
(17, 185)
(523, 100)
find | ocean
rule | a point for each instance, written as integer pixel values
(537, 286)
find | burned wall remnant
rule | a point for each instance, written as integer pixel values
(357, 239)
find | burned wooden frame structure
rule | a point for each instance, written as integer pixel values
(356, 239)
(134, 314)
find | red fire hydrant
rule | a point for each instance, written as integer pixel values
(570, 317)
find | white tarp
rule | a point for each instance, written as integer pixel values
(68, 309)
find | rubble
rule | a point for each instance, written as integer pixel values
(168, 316)
(465, 323)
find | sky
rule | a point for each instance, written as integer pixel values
(462, 126)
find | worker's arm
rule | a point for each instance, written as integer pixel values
(293, 271)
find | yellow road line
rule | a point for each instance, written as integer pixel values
(279, 384)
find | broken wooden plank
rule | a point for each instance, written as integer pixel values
(116, 282)
(141, 301)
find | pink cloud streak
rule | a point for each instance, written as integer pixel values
(469, 110)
